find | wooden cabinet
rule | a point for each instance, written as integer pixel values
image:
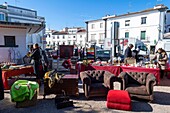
(69, 83)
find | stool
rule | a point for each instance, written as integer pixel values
(119, 99)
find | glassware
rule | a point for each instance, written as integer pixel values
(119, 59)
(115, 60)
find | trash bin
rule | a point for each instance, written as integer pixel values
(1, 86)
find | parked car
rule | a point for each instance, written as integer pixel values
(103, 55)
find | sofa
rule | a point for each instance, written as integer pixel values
(138, 84)
(97, 82)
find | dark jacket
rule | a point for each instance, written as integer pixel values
(128, 52)
(36, 55)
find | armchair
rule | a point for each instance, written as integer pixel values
(97, 82)
(138, 84)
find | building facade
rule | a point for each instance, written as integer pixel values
(67, 36)
(16, 24)
(147, 25)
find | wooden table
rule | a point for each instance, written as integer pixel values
(15, 72)
(69, 83)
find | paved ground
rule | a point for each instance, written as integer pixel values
(161, 103)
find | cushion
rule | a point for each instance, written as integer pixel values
(119, 99)
(135, 89)
(137, 77)
(119, 106)
(96, 76)
(99, 87)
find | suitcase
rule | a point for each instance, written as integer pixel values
(62, 101)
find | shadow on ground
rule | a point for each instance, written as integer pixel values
(161, 98)
(141, 106)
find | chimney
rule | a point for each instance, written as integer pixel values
(5, 4)
(159, 6)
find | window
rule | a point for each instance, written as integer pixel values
(2, 17)
(69, 43)
(143, 20)
(143, 35)
(93, 39)
(9, 41)
(101, 25)
(57, 37)
(63, 43)
(92, 26)
(127, 22)
(81, 43)
(126, 34)
(63, 37)
(53, 37)
(101, 38)
(169, 29)
(74, 43)
(74, 36)
(80, 36)
(53, 43)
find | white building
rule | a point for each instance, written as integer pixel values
(146, 25)
(15, 24)
(67, 36)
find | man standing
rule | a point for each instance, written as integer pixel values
(128, 51)
(36, 57)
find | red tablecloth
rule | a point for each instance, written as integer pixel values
(156, 71)
(9, 73)
(113, 69)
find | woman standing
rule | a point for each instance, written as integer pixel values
(161, 57)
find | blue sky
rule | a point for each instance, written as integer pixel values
(69, 13)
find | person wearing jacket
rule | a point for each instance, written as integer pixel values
(36, 57)
(128, 51)
(161, 58)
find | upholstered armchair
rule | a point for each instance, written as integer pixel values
(97, 82)
(138, 84)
